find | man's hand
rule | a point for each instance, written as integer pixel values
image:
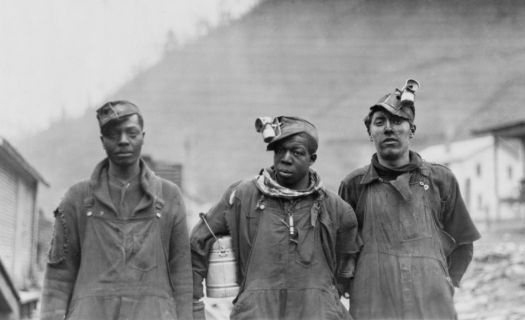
(198, 310)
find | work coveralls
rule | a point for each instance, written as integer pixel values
(282, 276)
(105, 266)
(402, 270)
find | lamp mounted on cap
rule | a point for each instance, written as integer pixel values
(282, 127)
(408, 93)
(270, 128)
(401, 102)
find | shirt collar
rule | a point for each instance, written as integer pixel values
(99, 176)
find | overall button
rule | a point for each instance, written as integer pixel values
(421, 183)
(158, 214)
(89, 213)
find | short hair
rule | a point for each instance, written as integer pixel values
(368, 120)
(104, 130)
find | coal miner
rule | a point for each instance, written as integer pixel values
(120, 248)
(417, 233)
(294, 240)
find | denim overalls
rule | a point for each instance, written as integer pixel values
(401, 271)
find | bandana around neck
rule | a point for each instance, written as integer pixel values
(268, 186)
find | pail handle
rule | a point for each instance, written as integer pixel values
(202, 216)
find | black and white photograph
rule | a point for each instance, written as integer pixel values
(262, 159)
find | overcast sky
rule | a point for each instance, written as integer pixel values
(57, 57)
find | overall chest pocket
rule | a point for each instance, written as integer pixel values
(142, 252)
(307, 240)
(120, 244)
(414, 220)
(143, 241)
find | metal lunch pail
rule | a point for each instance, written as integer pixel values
(221, 281)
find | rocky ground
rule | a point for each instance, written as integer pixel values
(494, 285)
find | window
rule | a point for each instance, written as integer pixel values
(480, 201)
(478, 170)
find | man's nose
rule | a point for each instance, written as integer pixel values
(287, 157)
(388, 127)
(123, 139)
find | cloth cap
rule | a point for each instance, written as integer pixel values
(290, 126)
(115, 110)
(392, 103)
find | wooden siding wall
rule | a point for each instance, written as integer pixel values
(24, 234)
(17, 203)
(8, 201)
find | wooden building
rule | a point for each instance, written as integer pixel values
(488, 170)
(19, 183)
(166, 170)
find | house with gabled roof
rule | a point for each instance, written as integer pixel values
(489, 173)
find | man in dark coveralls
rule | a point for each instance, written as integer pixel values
(417, 233)
(294, 239)
(120, 249)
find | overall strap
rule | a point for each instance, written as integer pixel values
(253, 225)
(89, 203)
(165, 226)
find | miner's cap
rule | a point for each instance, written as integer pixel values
(115, 110)
(392, 103)
(293, 125)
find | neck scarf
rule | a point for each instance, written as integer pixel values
(268, 186)
(271, 188)
(392, 174)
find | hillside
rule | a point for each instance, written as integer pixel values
(327, 61)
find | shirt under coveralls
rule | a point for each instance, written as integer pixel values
(282, 276)
(119, 251)
(402, 270)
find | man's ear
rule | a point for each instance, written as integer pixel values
(413, 128)
(313, 157)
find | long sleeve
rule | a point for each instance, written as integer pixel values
(62, 267)
(201, 238)
(456, 222)
(348, 244)
(351, 190)
(180, 264)
(460, 259)
(456, 219)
